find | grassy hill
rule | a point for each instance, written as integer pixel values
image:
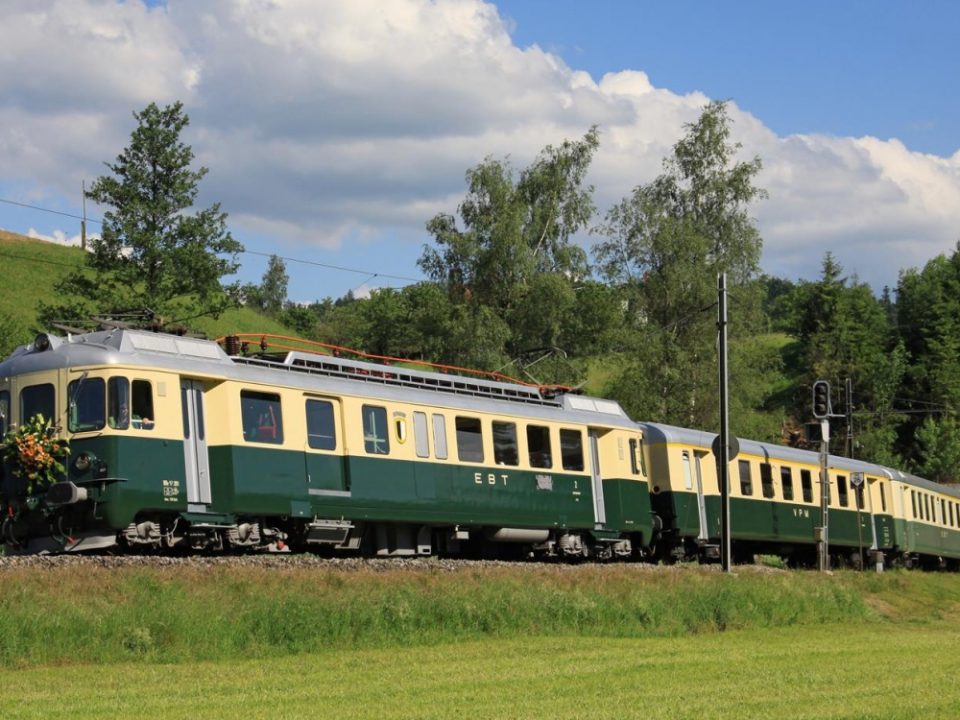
(31, 269)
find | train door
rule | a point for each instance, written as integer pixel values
(599, 509)
(195, 457)
(324, 453)
(701, 500)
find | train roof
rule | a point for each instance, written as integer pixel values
(309, 371)
(659, 433)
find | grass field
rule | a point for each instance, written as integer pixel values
(834, 671)
(289, 636)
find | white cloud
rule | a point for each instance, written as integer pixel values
(58, 237)
(336, 123)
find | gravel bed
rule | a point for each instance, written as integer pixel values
(305, 560)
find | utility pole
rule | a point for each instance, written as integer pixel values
(848, 397)
(83, 220)
(723, 457)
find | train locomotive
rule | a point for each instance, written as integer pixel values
(178, 445)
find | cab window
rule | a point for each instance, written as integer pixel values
(262, 421)
(118, 403)
(37, 400)
(143, 417)
(842, 490)
(87, 405)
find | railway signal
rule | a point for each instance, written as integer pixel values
(821, 400)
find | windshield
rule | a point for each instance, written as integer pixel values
(87, 405)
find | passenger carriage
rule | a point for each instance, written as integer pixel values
(775, 500)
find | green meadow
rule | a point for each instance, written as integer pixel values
(288, 637)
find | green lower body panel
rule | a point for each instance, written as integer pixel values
(258, 481)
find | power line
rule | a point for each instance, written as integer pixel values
(370, 273)
(335, 267)
(48, 210)
(41, 260)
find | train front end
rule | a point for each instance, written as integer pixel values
(78, 436)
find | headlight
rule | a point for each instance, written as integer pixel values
(83, 462)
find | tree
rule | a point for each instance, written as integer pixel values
(843, 331)
(270, 295)
(514, 231)
(665, 244)
(153, 255)
(939, 446)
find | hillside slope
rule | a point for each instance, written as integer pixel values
(31, 269)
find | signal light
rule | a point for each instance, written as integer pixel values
(821, 399)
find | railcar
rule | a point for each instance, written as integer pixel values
(775, 501)
(176, 444)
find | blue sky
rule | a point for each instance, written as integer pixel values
(881, 68)
(334, 130)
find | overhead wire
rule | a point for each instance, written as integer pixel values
(341, 268)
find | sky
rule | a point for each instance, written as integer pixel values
(333, 131)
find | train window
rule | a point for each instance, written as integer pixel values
(952, 524)
(913, 500)
(506, 450)
(376, 439)
(469, 439)
(842, 490)
(806, 485)
(440, 436)
(746, 481)
(86, 405)
(571, 449)
(321, 427)
(883, 497)
(118, 403)
(766, 479)
(37, 400)
(633, 457)
(943, 512)
(926, 506)
(262, 420)
(786, 483)
(858, 496)
(143, 417)
(4, 412)
(538, 446)
(420, 435)
(643, 462)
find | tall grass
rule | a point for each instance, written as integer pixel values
(94, 614)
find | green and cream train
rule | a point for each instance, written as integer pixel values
(178, 445)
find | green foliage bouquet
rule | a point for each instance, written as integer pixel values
(34, 452)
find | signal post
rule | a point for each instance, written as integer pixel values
(822, 411)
